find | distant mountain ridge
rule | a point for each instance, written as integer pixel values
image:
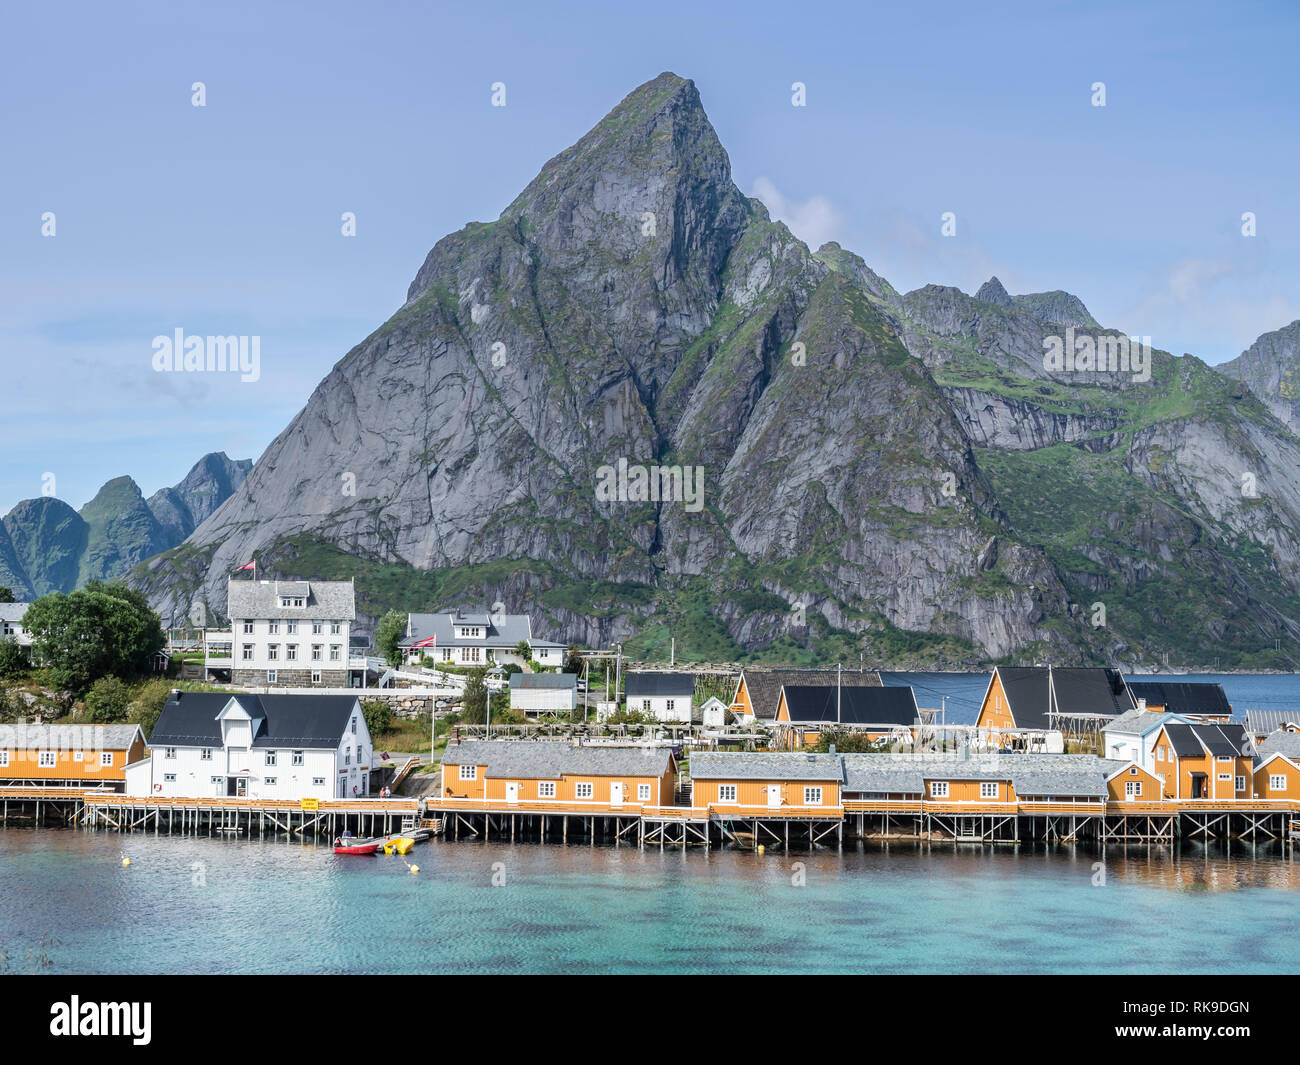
(46, 546)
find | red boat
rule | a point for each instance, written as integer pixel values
(357, 846)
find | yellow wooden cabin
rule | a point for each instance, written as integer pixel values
(1203, 761)
(771, 784)
(556, 777)
(1276, 771)
(69, 755)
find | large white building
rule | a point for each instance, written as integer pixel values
(11, 623)
(257, 747)
(455, 638)
(293, 634)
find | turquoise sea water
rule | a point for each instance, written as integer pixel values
(199, 905)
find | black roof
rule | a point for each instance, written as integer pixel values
(1222, 741)
(857, 705)
(646, 683)
(1186, 745)
(1182, 697)
(189, 719)
(1029, 694)
(1090, 691)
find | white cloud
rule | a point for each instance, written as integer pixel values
(814, 221)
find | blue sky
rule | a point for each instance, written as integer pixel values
(225, 219)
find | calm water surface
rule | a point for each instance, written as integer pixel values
(191, 905)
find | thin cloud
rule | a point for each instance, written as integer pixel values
(814, 221)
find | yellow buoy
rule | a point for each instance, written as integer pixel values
(415, 868)
(126, 861)
(760, 848)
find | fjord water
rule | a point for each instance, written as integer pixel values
(200, 905)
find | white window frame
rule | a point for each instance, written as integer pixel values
(727, 792)
(47, 759)
(268, 758)
(170, 778)
(78, 756)
(812, 795)
(1241, 784)
(584, 789)
(643, 793)
(105, 758)
(1132, 789)
(4, 758)
(169, 752)
(205, 754)
(938, 789)
(468, 772)
(1277, 782)
(546, 789)
(298, 758)
(269, 781)
(318, 782)
(988, 789)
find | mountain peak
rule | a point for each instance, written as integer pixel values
(992, 291)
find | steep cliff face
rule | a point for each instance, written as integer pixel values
(1271, 367)
(875, 468)
(183, 507)
(49, 539)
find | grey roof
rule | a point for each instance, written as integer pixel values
(852, 705)
(1030, 774)
(1283, 743)
(644, 683)
(261, 599)
(318, 722)
(68, 737)
(546, 681)
(1182, 697)
(500, 630)
(764, 765)
(1139, 722)
(13, 612)
(541, 759)
(764, 685)
(1263, 722)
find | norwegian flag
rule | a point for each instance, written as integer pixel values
(384, 756)
(247, 565)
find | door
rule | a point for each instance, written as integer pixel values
(616, 794)
(241, 787)
(774, 795)
(230, 786)
(1198, 785)
(512, 791)
(219, 786)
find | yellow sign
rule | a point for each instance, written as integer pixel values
(311, 804)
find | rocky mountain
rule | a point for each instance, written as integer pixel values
(46, 546)
(897, 478)
(1271, 367)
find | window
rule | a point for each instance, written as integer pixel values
(78, 756)
(291, 652)
(315, 676)
(347, 756)
(726, 793)
(1224, 758)
(269, 759)
(469, 772)
(292, 628)
(4, 758)
(268, 780)
(473, 654)
(670, 704)
(643, 793)
(354, 725)
(938, 789)
(297, 758)
(318, 782)
(645, 704)
(1276, 782)
(170, 778)
(1160, 754)
(812, 796)
(988, 789)
(271, 676)
(335, 652)
(585, 790)
(273, 628)
(546, 789)
(292, 600)
(1241, 783)
(335, 628)
(105, 757)
(169, 752)
(248, 652)
(1132, 789)
(218, 780)
(273, 651)
(316, 651)
(205, 754)
(248, 628)
(1225, 776)
(46, 759)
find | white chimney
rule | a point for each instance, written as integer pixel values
(1142, 704)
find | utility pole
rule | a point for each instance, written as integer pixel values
(672, 650)
(838, 683)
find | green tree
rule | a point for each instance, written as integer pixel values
(148, 702)
(13, 659)
(12, 706)
(7, 594)
(97, 631)
(108, 701)
(523, 650)
(378, 715)
(573, 660)
(389, 631)
(473, 707)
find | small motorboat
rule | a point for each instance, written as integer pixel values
(398, 844)
(349, 845)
